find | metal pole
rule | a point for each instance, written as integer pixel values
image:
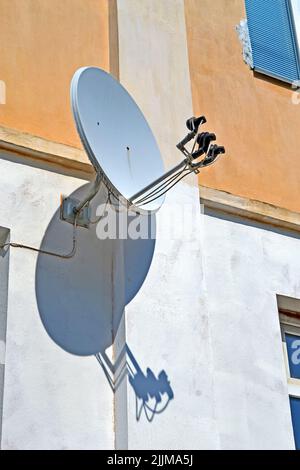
(94, 189)
(158, 180)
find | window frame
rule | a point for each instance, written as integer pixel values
(296, 37)
(296, 29)
(291, 327)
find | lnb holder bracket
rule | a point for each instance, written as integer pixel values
(68, 212)
(71, 207)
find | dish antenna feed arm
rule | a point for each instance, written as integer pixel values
(202, 147)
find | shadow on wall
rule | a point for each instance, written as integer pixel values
(152, 395)
(78, 298)
(81, 300)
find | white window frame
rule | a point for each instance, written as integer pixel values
(295, 9)
(291, 326)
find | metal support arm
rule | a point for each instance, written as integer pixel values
(158, 180)
(71, 207)
(91, 194)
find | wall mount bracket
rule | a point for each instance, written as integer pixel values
(71, 208)
(68, 212)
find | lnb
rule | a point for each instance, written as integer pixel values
(194, 122)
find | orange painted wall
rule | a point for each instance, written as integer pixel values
(253, 117)
(42, 43)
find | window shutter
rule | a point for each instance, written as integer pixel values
(273, 38)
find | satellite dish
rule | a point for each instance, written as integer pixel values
(123, 150)
(115, 135)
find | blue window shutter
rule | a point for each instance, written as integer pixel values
(295, 410)
(273, 38)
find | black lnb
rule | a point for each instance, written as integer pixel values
(201, 137)
(207, 140)
(214, 152)
(203, 140)
(219, 149)
(194, 122)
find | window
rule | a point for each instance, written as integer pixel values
(293, 353)
(295, 410)
(290, 331)
(273, 37)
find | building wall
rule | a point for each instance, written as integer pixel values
(55, 393)
(221, 345)
(42, 45)
(4, 271)
(211, 326)
(245, 265)
(205, 313)
(253, 116)
(161, 320)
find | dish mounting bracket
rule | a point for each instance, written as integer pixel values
(71, 208)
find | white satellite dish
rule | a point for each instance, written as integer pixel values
(115, 134)
(123, 150)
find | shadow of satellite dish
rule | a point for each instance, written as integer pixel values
(78, 298)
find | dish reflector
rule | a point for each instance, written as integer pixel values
(115, 134)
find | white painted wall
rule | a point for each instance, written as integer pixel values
(154, 67)
(162, 322)
(52, 399)
(206, 313)
(245, 267)
(4, 270)
(172, 335)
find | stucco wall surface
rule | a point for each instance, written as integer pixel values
(42, 45)
(52, 399)
(245, 266)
